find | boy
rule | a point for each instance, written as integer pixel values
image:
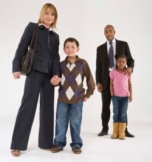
(71, 96)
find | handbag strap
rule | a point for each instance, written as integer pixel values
(35, 35)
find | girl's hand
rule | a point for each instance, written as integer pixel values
(55, 80)
(130, 98)
(85, 99)
(17, 75)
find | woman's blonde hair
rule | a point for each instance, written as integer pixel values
(43, 10)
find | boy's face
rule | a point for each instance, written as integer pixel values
(71, 49)
(121, 63)
(109, 33)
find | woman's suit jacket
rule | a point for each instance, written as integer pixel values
(46, 57)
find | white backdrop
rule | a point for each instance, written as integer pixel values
(84, 20)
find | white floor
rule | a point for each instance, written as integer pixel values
(95, 149)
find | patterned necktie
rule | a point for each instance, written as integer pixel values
(111, 56)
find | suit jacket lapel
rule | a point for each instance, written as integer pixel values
(117, 46)
(105, 49)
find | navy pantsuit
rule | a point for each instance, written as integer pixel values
(46, 65)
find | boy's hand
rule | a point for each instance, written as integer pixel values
(17, 75)
(130, 98)
(85, 99)
(55, 80)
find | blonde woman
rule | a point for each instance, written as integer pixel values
(46, 66)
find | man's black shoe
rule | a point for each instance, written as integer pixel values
(127, 134)
(103, 133)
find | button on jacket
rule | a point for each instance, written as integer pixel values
(46, 56)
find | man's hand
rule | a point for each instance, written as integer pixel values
(128, 71)
(99, 87)
(17, 75)
(55, 80)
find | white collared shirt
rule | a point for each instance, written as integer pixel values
(50, 29)
(114, 52)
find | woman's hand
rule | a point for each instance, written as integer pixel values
(55, 80)
(17, 75)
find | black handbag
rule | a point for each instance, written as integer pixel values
(28, 58)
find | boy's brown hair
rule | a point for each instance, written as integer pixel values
(71, 40)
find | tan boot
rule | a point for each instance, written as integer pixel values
(115, 131)
(122, 127)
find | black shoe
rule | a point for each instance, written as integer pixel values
(103, 133)
(127, 134)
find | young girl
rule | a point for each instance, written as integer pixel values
(121, 92)
(46, 65)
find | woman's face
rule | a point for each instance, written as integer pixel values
(48, 18)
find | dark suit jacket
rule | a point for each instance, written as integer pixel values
(102, 61)
(47, 58)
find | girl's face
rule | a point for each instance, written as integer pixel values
(121, 63)
(71, 49)
(48, 18)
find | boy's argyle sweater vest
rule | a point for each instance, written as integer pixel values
(71, 88)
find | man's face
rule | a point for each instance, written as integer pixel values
(109, 33)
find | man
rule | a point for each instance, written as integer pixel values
(105, 62)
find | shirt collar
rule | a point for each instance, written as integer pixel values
(77, 59)
(113, 41)
(43, 26)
